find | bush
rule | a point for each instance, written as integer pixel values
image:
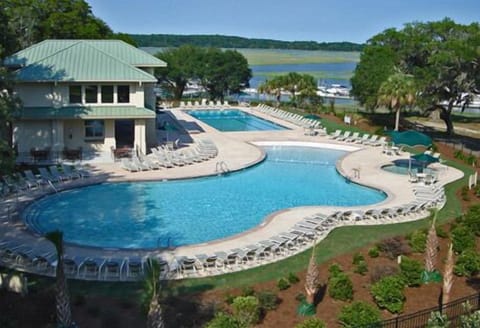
(393, 247)
(472, 219)
(441, 233)
(229, 298)
(311, 323)
(283, 284)
(340, 287)
(381, 271)
(418, 241)
(438, 320)
(223, 320)
(360, 314)
(468, 263)
(462, 238)
(361, 268)
(374, 252)
(334, 269)
(300, 297)
(411, 271)
(388, 293)
(464, 193)
(292, 278)
(248, 291)
(357, 258)
(268, 300)
(246, 310)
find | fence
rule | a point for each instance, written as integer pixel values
(453, 310)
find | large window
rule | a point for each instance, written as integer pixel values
(123, 94)
(75, 94)
(94, 129)
(107, 94)
(91, 94)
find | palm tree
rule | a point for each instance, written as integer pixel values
(62, 298)
(448, 276)
(152, 280)
(397, 92)
(272, 87)
(431, 248)
(312, 280)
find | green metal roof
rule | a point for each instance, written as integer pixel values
(83, 61)
(83, 112)
(115, 48)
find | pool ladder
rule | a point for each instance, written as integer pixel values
(221, 167)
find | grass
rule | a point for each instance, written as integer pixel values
(278, 57)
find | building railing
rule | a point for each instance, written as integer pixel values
(453, 310)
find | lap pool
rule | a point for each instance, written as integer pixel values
(234, 120)
(148, 214)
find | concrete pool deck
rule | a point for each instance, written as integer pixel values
(238, 150)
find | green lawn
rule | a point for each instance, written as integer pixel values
(277, 56)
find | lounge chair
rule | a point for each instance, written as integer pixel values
(47, 176)
(363, 138)
(373, 139)
(55, 173)
(354, 137)
(335, 135)
(343, 137)
(152, 165)
(73, 174)
(129, 165)
(32, 179)
(142, 166)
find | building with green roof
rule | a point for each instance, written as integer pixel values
(93, 95)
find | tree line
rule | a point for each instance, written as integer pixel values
(223, 41)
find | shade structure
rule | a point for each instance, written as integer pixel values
(411, 138)
(425, 158)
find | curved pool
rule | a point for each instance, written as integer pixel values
(183, 212)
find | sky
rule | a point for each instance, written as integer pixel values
(288, 20)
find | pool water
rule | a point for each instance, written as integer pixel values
(402, 167)
(184, 212)
(234, 120)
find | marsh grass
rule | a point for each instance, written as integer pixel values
(282, 56)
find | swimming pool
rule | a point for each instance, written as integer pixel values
(234, 120)
(402, 166)
(184, 212)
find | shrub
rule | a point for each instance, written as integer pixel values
(334, 269)
(381, 271)
(283, 284)
(472, 219)
(417, 241)
(229, 298)
(462, 238)
(300, 297)
(360, 314)
(268, 300)
(388, 293)
(340, 287)
(411, 271)
(468, 263)
(292, 278)
(246, 310)
(223, 320)
(248, 291)
(361, 268)
(374, 252)
(441, 233)
(464, 194)
(438, 320)
(357, 258)
(393, 247)
(311, 323)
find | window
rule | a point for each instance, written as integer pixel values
(91, 93)
(75, 94)
(107, 94)
(94, 129)
(123, 94)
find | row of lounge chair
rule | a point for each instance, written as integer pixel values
(27, 180)
(204, 104)
(164, 157)
(355, 137)
(292, 118)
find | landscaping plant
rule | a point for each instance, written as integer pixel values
(312, 284)
(448, 276)
(430, 273)
(246, 310)
(388, 293)
(311, 323)
(360, 314)
(411, 271)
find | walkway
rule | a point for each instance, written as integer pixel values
(239, 150)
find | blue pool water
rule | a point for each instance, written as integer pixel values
(402, 167)
(234, 120)
(147, 214)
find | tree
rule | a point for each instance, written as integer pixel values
(397, 92)
(224, 72)
(303, 85)
(441, 56)
(62, 298)
(182, 66)
(31, 21)
(152, 286)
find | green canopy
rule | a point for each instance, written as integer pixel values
(425, 158)
(411, 138)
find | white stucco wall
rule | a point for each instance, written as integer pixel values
(32, 134)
